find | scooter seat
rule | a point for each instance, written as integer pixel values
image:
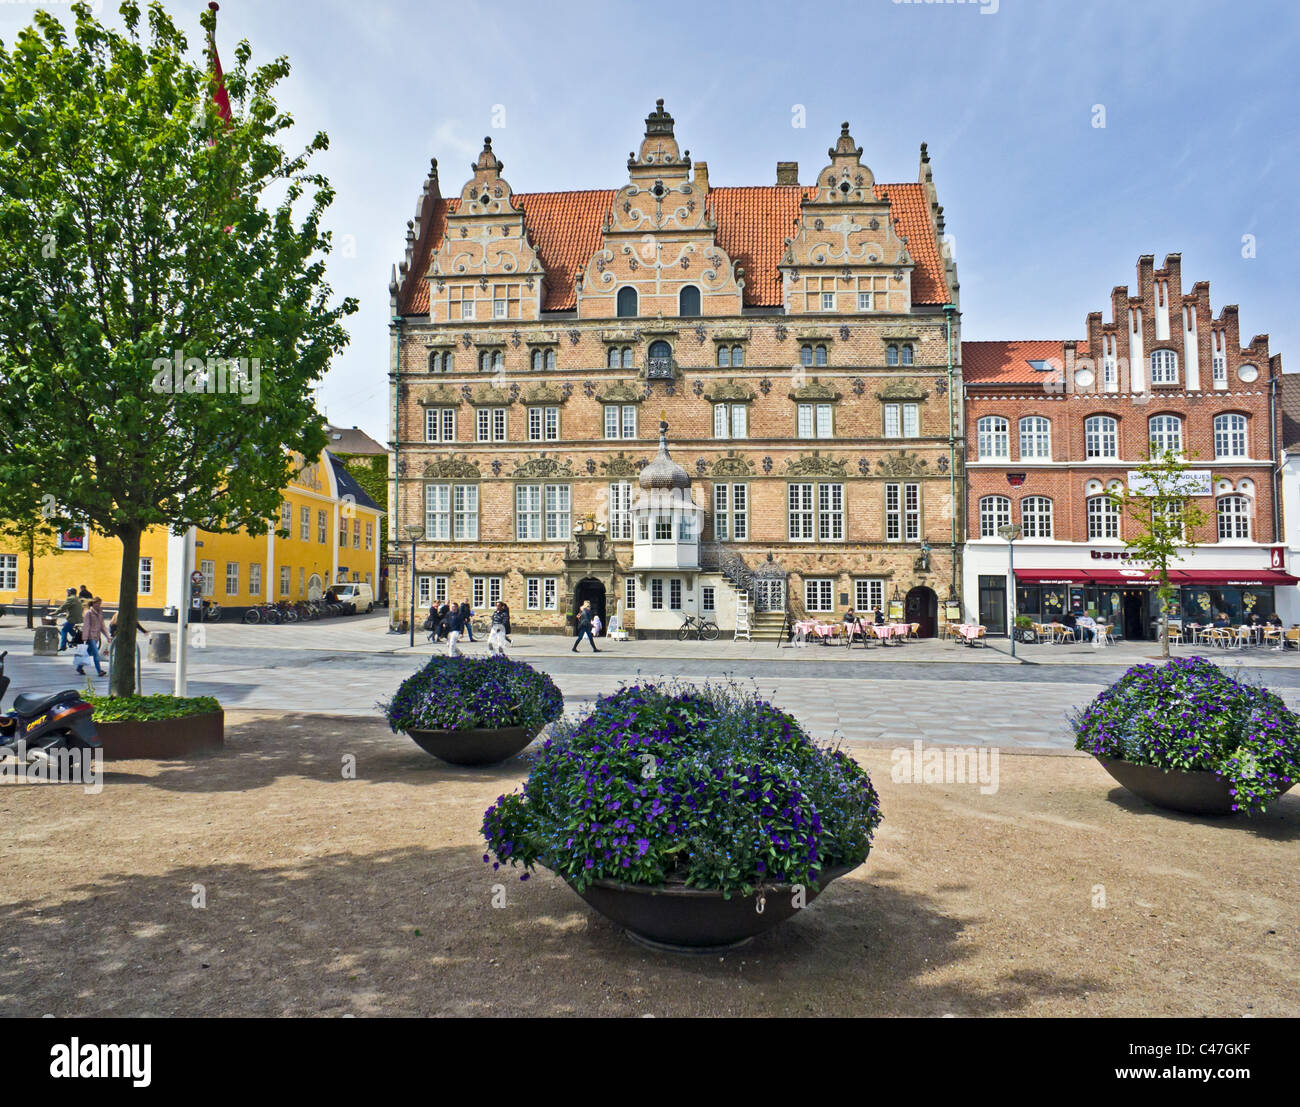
(28, 703)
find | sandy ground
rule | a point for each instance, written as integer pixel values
(327, 896)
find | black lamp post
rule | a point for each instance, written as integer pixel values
(1010, 533)
(414, 533)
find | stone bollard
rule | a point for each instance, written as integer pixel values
(160, 646)
(46, 643)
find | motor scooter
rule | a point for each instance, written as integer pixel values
(45, 723)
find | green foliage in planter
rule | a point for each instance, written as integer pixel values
(468, 693)
(704, 786)
(147, 709)
(1191, 714)
(1024, 622)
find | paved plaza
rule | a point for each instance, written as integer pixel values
(938, 692)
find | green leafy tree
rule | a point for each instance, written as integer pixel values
(163, 307)
(1161, 505)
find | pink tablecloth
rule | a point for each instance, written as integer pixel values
(969, 630)
(807, 628)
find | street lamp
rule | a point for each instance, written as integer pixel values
(414, 532)
(1009, 534)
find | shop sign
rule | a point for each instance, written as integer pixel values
(1190, 482)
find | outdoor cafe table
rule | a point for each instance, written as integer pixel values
(969, 631)
(806, 628)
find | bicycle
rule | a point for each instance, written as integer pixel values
(211, 611)
(705, 631)
(262, 613)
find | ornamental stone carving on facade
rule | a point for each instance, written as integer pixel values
(620, 466)
(442, 396)
(620, 392)
(543, 466)
(454, 465)
(902, 464)
(816, 464)
(733, 464)
(545, 394)
(814, 389)
(902, 390)
(489, 396)
(728, 391)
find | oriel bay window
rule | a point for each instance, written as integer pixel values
(816, 512)
(902, 512)
(730, 512)
(451, 512)
(542, 512)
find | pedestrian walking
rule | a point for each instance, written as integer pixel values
(455, 626)
(71, 610)
(584, 618)
(500, 628)
(505, 607)
(92, 629)
(466, 614)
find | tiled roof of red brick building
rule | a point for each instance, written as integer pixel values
(1289, 385)
(753, 224)
(1007, 361)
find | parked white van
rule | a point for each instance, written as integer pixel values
(360, 595)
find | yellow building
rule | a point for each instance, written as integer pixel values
(332, 530)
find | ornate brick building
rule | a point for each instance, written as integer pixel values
(1052, 425)
(801, 343)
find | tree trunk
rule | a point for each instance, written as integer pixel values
(121, 675)
(31, 557)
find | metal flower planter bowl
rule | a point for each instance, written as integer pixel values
(1193, 793)
(474, 747)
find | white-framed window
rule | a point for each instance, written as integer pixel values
(802, 515)
(356, 534)
(663, 528)
(830, 513)
(819, 593)
(491, 424)
(485, 592)
(343, 531)
(232, 578)
(491, 361)
(902, 420)
(1035, 437)
(995, 512)
(656, 594)
(1101, 436)
(620, 510)
(828, 301)
(708, 599)
(1172, 512)
(286, 579)
(304, 524)
(730, 512)
(1230, 435)
(542, 511)
(145, 583)
(864, 301)
(286, 517)
(1164, 367)
(1166, 433)
(620, 420)
(868, 594)
(993, 438)
(424, 592)
(498, 309)
(467, 308)
(451, 512)
(1103, 517)
(9, 572)
(629, 593)
(908, 352)
(322, 527)
(891, 355)
(541, 593)
(1219, 368)
(543, 424)
(440, 424)
(810, 355)
(439, 591)
(1109, 370)
(1036, 516)
(674, 594)
(911, 512)
(816, 421)
(1234, 517)
(370, 535)
(255, 579)
(730, 421)
(730, 355)
(209, 571)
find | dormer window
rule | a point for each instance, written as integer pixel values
(688, 302)
(627, 302)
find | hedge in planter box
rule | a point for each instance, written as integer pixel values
(705, 787)
(472, 693)
(1190, 714)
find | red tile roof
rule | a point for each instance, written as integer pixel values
(753, 224)
(1007, 361)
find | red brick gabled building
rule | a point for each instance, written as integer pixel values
(1052, 425)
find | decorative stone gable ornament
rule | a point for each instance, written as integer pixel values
(619, 466)
(489, 396)
(902, 464)
(620, 393)
(902, 390)
(545, 394)
(544, 466)
(733, 464)
(442, 396)
(814, 390)
(454, 465)
(728, 391)
(816, 465)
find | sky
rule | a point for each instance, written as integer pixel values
(1046, 209)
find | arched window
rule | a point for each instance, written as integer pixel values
(537, 361)
(993, 438)
(615, 358)
(660, 348)
(1036, 516)
(1166, 435)
(891, 355)
(485, 361)
(1164, 367)
(1035, 437)
(995, 511)
(435, 362)
(724, 357)
(627, 302)
(819, 355)
(737, 355)
(1101, 436)
(660, 361)
(627, 357)
(550, 361)
(688, 301)
(1234, 517)
(805, 355)
(1103, 517)
(908, 353)
(1230, 435)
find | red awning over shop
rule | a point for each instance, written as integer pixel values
(1240, 578)
(1243, 578)
(1052, 576)
(1127, 576)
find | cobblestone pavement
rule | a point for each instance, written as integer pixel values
(936, 692)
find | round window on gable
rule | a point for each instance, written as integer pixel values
(1247, 373)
